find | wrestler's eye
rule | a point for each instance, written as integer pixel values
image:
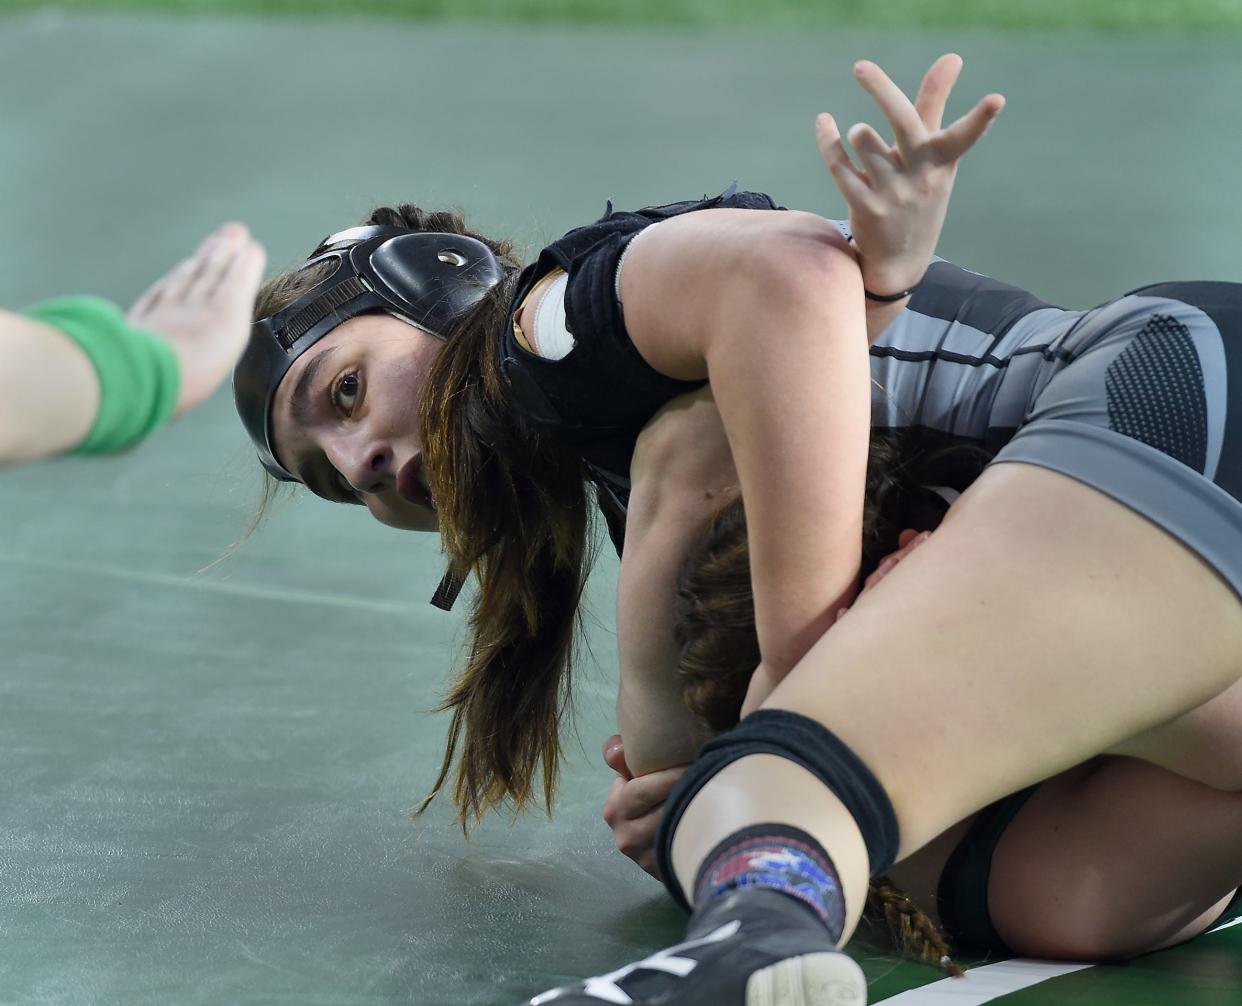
(345, 394)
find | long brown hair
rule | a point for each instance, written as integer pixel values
(513, 510)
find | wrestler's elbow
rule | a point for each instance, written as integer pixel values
(806, 258)
(796, 279)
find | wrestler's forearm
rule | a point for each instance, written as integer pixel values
(51, 390)
(796, 406)
(654, 723)
(880, 316)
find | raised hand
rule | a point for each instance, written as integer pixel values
(203, 307)
(899, 193)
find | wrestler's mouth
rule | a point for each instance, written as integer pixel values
(412, 484)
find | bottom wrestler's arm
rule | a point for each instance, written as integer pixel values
(652, 717)
(680, 469)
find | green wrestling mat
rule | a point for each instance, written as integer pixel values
(1205, 972)
(206, 775)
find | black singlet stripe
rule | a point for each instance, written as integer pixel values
(951, 293)
(1000, 363)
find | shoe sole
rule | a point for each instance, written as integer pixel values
(825, 979)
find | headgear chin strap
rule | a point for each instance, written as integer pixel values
(427, 278)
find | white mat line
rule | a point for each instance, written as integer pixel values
(983, 984)
(193, 582)
(1226, 925)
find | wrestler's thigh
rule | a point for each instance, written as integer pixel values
(1042, 624)
(1204, 744)
(1113, 859)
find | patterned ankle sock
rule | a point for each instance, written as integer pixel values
(775, 857)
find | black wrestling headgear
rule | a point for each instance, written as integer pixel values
(427, 278)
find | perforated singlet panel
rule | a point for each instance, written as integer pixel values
(1155, 392)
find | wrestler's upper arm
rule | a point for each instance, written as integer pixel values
(769, 308)
(687, 280)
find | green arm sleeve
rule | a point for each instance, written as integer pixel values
(139, 376)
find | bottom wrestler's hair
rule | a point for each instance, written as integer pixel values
(912, 932)
(715, 630)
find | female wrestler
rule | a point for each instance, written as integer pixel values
(82, 376)
(1091, 556)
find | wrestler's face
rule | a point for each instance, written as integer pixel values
(345, 419)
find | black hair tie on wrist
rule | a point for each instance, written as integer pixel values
(888, 298)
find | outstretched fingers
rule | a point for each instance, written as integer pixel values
(898, 193)
(951, 143)
(202, 309)
(852, 182)
(934, 91)
(908, 129)
(237, 270)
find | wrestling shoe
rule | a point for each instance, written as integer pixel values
(749, 947)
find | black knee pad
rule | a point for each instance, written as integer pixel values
(804, 742)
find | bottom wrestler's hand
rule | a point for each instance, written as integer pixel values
(634, 806)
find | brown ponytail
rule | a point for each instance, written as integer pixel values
(513, 509)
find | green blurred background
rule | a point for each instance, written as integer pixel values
(206, 775)
(1100, 15)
